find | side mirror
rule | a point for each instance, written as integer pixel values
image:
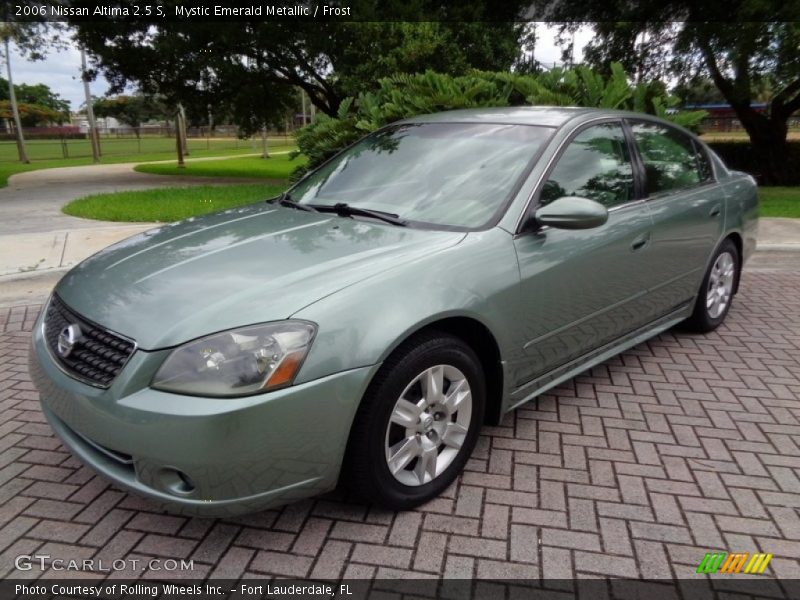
(572, 212)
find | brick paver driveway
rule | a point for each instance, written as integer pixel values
(637, 468)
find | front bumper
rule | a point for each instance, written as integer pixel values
(203, 456)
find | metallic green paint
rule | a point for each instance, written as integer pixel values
(571, 212)
(220, 444)
(555, 300)
(167, 285)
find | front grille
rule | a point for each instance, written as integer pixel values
(97, 356)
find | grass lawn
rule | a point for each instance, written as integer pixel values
(780, 202)
(9, 166)
(279, 166)
(168, 204)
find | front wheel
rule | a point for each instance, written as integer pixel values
(716, 293)
(418, 422)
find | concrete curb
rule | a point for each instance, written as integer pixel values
(785, 247)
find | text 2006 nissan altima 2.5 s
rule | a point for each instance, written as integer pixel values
(363, 326)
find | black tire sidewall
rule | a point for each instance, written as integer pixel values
(439, 351)
(706, 321)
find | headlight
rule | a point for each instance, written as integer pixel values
(238, 362)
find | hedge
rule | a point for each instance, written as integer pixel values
(739, 155)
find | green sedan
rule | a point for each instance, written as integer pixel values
(361, 328)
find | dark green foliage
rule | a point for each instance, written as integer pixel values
(403, 96)
(131, 110)
(740, 155)
(254, 68)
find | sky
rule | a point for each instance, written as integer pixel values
(61, 70)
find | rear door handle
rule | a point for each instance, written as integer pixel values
(714, 212)
(640, 242)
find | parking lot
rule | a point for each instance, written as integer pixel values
(684, 445)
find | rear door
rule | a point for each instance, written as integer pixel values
(584, 288)
(687, 210)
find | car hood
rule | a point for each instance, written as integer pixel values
(247, 265)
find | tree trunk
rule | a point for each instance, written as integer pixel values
(178, 140)
(183, 130)
(21, 151)
(770, 150)
(93, 134)
(264, 143)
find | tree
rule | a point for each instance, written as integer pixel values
(641, 48)
(37, 104)
(749, 56)
(738, 58)
(130, 110)
(402, 96)
(21, 151)
(31, 115)
(329, 60)
(697, 90)
(41, 95)
(32, 40)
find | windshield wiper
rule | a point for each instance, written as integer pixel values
(286, 200)
(345, 210)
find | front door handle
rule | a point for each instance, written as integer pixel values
(715, 212)
(640, 242)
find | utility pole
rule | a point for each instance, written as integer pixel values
(23, 155)
(90, 109)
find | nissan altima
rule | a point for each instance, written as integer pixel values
(360, 328)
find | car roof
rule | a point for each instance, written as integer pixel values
(546, 116)
(549, 116)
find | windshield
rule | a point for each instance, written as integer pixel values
(453, 174)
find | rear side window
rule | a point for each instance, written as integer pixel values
(706, 172)
(595, 165)
(669, 158)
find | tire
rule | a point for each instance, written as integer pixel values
(396, 424)
(722, 278)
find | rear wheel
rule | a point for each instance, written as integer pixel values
(418, 422)
(716, 293)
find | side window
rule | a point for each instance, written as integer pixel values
(669, 158)
(703, 162)
(595, 165)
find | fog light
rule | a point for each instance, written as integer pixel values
(175, 481)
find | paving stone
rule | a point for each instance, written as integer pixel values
(635, 468)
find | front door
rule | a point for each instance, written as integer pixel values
(584, 288)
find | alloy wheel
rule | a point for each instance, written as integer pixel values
(720, 285)
(428, 425)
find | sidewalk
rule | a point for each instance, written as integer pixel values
(29, 253)
(32, 263)
(39, 243)
(779, 234)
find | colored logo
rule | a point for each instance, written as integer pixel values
(741, 562)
